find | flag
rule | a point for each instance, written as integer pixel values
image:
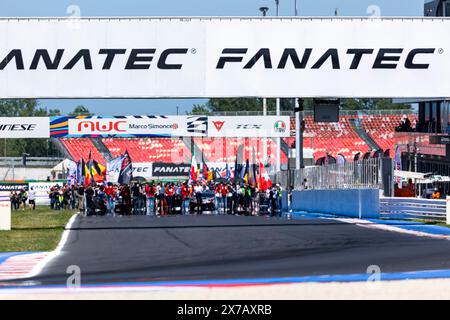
(264, 178)
(210, 175)
(89, 169)
(72, 174)
(227, 172)
(205, 170)
(126, 169)
(98, 172)
(237, 165)
(85, 173)
(113, 169)
(193, 171)
(253, 169)
(246, 171)
(80, 171)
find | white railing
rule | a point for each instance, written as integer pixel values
(351, 175)
(413, 208)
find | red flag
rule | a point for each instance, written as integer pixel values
(264, 178)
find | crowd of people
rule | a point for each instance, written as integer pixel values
(22, 199)
(158, 198)
(178, 198)
(429, 126)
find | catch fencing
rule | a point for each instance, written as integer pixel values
(351, 175)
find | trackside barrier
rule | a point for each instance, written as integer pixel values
(447, 211)
(356, 203)
(414, 208)
(5, 215)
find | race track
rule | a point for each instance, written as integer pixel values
(149, 249)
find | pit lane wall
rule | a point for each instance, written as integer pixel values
(357, 203)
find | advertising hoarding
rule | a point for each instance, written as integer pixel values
(224, 57)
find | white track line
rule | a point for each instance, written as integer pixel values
(373, 225)
(51, 255)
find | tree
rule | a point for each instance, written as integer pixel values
(34, 147)
(80, 111)
(200, 109)
(242, 104)
(287, 104)
(54, 112)
(371, 104)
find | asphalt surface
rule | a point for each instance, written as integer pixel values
(142, 248)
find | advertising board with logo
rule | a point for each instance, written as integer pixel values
(268, 126)
(6, 189)
(224, 57)
(5, 215)
(24, 127)
(143, 169)
(42, 190)
(171, 169)
(13, 186)
(129, 126)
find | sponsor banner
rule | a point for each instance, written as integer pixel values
(129, 126)
(171, 170)
(13, 186)
(42, 190)
(227, 57)
(6, 188)
(143, 169)
(113, 170)
(24, 127)
(268, 126)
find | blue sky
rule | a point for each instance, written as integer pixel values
(61, 8)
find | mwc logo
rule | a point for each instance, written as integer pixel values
(218, 124)
(100, 125)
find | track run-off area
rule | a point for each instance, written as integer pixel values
(221, 256)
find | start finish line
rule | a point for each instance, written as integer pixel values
(224, 57)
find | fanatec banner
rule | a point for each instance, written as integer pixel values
(24, 127)
(224, 57)
(170, 169)
(268, 126)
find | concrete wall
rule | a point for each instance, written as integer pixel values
(24, 173)
(348, 202)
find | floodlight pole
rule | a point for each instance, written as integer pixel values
(264, 13)
(278, 105)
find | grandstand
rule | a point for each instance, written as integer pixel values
(169, 150)
(355, 132)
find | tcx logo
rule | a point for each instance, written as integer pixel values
(101, 126)
(249, 126)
